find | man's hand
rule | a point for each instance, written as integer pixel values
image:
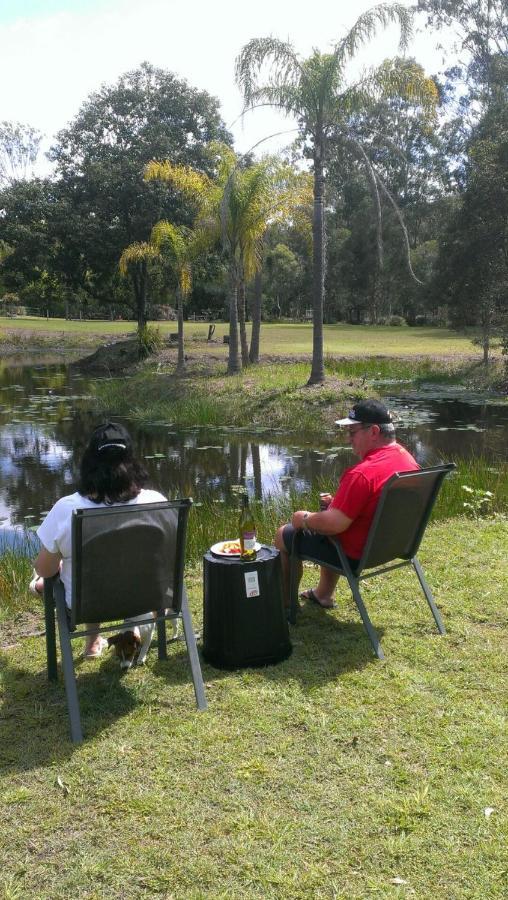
(297, 520)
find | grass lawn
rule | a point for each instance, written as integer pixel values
(330, 775)
(287, 340)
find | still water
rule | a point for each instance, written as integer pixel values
(45, 420)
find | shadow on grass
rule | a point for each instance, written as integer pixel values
(324, 648)
(34, 717)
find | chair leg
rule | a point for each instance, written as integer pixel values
(49, 617)
(362, 609)
(162, 650)
(428, 595)
(68, 668)
(192, 650)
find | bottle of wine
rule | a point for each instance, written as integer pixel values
(247, 528)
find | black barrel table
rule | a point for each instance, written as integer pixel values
(244, 619)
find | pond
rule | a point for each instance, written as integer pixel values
(45, 420)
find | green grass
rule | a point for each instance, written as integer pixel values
(330, 775)
(286, 340)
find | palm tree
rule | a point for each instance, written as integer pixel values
(134, 261)
(314, 90)
(235, 208)
(175, 247)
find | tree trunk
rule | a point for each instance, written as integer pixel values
(256, 319)
(486, 329)
(139, 282)
(375, 296)
(233, 360)
(180, 365)
(317, 374)
(241, 321)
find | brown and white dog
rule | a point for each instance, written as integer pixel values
(133, 642)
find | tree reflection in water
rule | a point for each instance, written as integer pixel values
(46, 418)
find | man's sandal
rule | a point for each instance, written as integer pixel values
(311, 595)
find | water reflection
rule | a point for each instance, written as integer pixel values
(45, 421)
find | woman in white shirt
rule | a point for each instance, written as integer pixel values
(110, 475)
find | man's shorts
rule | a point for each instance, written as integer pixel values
(315, 545)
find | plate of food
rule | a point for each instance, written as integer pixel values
(230, 548)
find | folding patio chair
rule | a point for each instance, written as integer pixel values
(126, 561)
(396, 532)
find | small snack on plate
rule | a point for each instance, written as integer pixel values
(232, 547)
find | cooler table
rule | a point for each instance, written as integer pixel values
(244, 619)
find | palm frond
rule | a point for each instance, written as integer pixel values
(135, 254)
(367, 26)
(284, 68)
(169, 239)
(284, 97)
(182, 178)
(186, 280)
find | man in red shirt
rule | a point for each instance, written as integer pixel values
(350, 512)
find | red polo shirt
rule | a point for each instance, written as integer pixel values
(359, 489)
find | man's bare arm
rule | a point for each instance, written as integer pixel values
(328, 521)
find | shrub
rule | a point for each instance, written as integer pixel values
(149, 341)
(396, 320)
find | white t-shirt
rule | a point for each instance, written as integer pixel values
(56, 535)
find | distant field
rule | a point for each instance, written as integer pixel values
(366, 340)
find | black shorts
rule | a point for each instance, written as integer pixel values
(315, 545)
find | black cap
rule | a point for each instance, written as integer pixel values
(367, 412)
(111, 435)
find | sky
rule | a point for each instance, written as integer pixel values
(56, 52)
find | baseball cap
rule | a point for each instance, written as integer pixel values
(110, 434)
(367, 412)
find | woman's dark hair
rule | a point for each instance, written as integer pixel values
(109, 472)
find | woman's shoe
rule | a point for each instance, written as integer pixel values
(36, 585)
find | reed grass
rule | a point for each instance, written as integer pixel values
(270, 397)
(212, 520)
(15, 574)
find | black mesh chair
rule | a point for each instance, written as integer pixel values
(126, 561)
(396, 533)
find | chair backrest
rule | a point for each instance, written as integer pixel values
(127, 560)
(402, 515)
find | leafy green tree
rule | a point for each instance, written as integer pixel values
(315, 91)
(480, 34)
(472, 267)
(283, 279)
(100, 157)
(25, 214)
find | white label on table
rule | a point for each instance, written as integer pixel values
(251, 584)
